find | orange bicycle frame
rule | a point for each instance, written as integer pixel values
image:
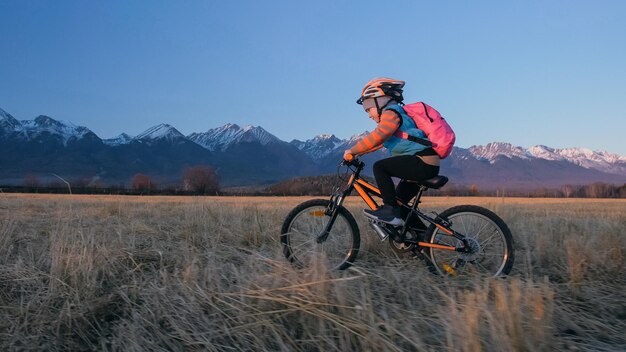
(364, 189)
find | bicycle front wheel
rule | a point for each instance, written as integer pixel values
(489, 249)
(300, 236)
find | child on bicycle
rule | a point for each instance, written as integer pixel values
(410, 161)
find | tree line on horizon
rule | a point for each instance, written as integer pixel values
(198, 179)
(325, 185)
(204, 180)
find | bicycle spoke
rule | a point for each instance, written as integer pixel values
(487, 241)
(303, 244)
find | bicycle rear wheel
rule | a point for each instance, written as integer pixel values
(490, 242)
(306, 222)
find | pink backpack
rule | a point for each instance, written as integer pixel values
(435, 127)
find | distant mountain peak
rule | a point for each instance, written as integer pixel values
(492, 150)
(221, 138)
(49, 122)
(7, 121)
(120, 139)
(326, 137)
(161, 131)
(5, 115)
(257, 133)
(233, 126)
(319, 146)
(544, 152)
(43, 127)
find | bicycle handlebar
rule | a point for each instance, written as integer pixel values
(352, 160)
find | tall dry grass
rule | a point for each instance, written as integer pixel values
(206, 273)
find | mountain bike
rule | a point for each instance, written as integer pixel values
(462, 240)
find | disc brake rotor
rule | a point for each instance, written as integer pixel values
(473, 250)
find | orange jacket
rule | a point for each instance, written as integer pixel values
(389, 123)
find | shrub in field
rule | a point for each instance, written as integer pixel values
(201, 179)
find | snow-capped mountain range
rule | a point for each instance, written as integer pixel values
(221, 138)
(319, 147)
(600, 160)
(31, 129)
(45, 144)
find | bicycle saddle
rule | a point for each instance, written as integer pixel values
(435, 182)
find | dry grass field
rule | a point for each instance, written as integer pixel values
(122, 273)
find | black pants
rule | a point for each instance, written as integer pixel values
(406, 167)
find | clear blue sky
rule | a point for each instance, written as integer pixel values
(524, 72)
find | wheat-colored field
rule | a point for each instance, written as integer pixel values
(207, 273)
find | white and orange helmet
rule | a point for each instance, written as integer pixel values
(380, 87)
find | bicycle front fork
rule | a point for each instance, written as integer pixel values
(331, 210)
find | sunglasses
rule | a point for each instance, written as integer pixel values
(368, 104)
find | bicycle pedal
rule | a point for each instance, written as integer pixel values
(377, 222)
